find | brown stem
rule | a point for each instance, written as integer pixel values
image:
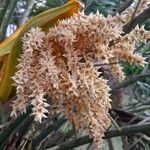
(110, 144)
(136, 8)
(123, 7)
(104, 64)
(128, 130)
(129, 81)
(137, 20)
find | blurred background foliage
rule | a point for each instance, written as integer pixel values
(24, 133)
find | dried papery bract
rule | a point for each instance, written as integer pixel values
(60, 63)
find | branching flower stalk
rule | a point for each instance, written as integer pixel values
(137, 7)
(60, 64)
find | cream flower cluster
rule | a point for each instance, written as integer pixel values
(61, 64)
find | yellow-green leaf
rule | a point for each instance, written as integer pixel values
(6, 45)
